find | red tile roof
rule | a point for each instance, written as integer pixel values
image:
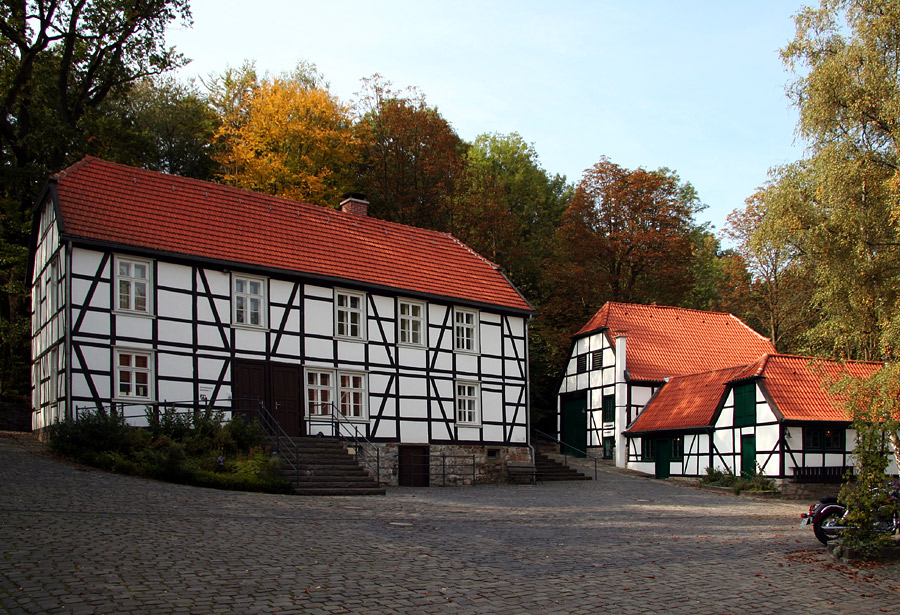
(796, 386)
(126, 206)
(668, 341)
(686, 402)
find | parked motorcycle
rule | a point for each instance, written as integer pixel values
(828, 517)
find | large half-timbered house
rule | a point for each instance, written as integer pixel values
(626, 352)
(775, 417)
(154, 289)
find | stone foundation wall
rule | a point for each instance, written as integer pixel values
(452, 464)
(806, 491)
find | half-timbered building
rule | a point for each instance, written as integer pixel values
(152, 289)
(775, 417)
(626, 352)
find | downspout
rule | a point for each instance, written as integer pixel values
(68, 327)
(621, 385)
(528, 392)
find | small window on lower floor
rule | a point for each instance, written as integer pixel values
(133, 374)
(648, 449)
(352, 395)
(468, 406)
(678, 448)
(824, 438)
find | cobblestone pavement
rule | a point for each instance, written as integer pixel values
(76, 540)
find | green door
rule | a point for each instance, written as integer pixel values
(663, 457)
(573, 430)
(748, 455)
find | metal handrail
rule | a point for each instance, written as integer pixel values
(565, 448)
(283, 444)
(364, 450)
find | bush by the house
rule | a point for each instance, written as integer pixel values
(195, 448)
(720, 478)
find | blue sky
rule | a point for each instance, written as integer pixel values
(695, 86)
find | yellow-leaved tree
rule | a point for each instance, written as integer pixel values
(286, 136)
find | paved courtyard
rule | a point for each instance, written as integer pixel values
(75, 540)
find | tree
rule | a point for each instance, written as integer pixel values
(286, 135)
(160, 124)
(627, 236)
(840, 207)
(59, 61)
(511, 207)
(777, 300)
(412, 159)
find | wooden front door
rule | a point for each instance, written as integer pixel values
(663, 457)
(277, 385)
(573, 424)
(414, 466)
(748, 455)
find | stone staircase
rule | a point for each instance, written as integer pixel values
(547, 469)
(327, 468)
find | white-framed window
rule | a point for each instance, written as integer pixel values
(412, 323)
(248, 301)
(349, 314)
(319, 391)
(352, 394)
(465, 330)
(468, 403)
(133, 285)
(133, 374)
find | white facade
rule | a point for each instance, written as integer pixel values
(138, 329)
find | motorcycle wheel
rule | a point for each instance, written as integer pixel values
(821, 527)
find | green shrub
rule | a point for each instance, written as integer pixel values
(196, 448)
(720, 478)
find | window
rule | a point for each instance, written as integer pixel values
(412, 323)
(821, 438)
(597, 359)
(249, 301)
(678, 448)
(581, 363)
(609, 447)
(609, 408)
(318, 392)
(132, 285)
(648, 449)
(352, 395)
(745, 404)
(465, 330)
(349, 315)
(133, 370)
(467, 403)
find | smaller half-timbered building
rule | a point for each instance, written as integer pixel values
(626, 352)
(774, 417)
(152, 289)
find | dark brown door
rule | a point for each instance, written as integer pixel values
(287, 403)
(276, 385)
(414, 467)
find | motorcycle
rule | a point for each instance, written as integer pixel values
(828, 516)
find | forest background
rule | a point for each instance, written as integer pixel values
(814, 259)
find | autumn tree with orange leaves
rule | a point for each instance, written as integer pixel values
(286, 135)
(627, 236)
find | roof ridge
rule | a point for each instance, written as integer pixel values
(780, 355)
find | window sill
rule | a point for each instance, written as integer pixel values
(135, 314)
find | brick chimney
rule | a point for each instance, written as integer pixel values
(355, 203)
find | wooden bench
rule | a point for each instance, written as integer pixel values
(517, 470)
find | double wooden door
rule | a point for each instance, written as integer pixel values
(279, 386)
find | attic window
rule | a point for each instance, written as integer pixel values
(597, 359)
(581, 363)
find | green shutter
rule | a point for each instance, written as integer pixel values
(745, 404)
